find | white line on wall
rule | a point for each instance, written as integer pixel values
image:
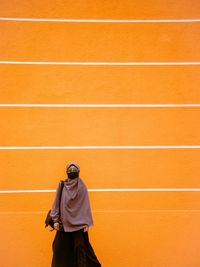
(100, 63)
(101, 105)
(143, 210)
(97, 147)
(192, 20)
(103, 211)
(108, 190)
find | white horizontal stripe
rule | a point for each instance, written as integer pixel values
(97, 147)
(101, 105)
(109, 190)
(144, 211)
(98, 211)
(143, 189)
(27, 191)
(98, 63)
(22, 212)
(101, 20)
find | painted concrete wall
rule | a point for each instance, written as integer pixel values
(132, 228)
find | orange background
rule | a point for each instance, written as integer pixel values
(143, 229)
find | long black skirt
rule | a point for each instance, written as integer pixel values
(73, 249)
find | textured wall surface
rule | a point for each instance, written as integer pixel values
(158, 227)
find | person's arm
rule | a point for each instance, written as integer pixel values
(55, 207)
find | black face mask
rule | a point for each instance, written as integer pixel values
(72, 175)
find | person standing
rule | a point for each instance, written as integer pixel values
(71, 214)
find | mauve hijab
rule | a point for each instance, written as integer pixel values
(73, 164)
(75, 205)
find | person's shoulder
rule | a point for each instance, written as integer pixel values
(60, 183)
(82, 183)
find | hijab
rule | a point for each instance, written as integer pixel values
(75, 205)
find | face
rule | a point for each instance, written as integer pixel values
(72, 172)
(72, 169)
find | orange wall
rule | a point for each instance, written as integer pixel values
(143, 229)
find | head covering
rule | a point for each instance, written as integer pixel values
(73, 164)
(75, 206)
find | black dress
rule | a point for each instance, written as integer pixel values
(73, 249)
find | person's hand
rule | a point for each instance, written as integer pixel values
(56, 226)
(85, 229)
